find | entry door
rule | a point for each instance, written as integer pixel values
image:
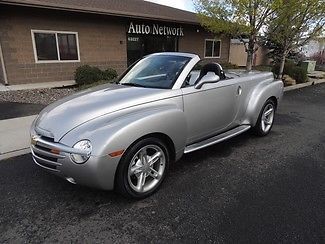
(209, 110)
(154, 44)
(141, 45)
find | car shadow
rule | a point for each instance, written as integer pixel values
(220, 150)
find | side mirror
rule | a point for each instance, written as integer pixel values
(210, 77)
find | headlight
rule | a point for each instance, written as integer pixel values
(85, 150)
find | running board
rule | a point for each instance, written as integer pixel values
(216, 139)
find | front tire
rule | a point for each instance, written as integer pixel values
(266, 119)
(142, 168)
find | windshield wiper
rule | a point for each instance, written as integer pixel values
(132, 84)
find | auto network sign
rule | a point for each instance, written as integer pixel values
(155, 29)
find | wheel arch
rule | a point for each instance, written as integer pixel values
(164, 138)
(273, 98)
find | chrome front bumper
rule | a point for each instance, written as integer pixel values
(54, 157)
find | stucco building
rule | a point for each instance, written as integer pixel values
(238, 55)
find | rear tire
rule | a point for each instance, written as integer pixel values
(142, 169)
(265, 120)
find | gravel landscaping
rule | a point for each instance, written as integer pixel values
(36, 96)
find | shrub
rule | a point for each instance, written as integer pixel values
(109, 74)
(288, 65)
(86, 74)
(298, 73)
(294, 71)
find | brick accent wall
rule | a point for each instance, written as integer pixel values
(102, 43)
(194, 42)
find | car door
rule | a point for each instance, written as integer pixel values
(211, 109)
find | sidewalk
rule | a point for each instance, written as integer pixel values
(15, 124)
(15, 136)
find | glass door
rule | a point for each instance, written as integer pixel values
(140, 45)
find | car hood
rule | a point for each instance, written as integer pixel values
(64, 115)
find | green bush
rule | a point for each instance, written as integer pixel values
(85, 75)
(109, 74)
(288, 65)
(294, 71)
(299, 74)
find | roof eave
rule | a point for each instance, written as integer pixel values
(98, 12)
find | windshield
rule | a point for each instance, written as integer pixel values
(158, 71)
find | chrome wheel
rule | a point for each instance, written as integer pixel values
(146, 168)
(267, 118)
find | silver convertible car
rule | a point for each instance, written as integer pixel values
(124, 136)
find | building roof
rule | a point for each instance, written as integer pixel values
(123, 8)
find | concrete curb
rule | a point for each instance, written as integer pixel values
(14, 153)
(309, 83)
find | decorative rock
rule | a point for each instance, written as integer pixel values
(288, 81)
(36, 96)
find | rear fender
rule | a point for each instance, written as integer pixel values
(259, 96)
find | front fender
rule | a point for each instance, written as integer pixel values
(169, 121)
(259, 96)
(117, 132)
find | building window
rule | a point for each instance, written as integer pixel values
(55, 46)
(212, 48)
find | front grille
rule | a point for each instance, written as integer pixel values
(45, 138)
(46, 165)
(46, 157)
(43, 148)
(43, 155)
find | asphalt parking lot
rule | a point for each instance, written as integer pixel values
(246, 190)
(9, 110)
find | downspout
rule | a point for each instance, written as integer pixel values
(2, 61)
(229, 50)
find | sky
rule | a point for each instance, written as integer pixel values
(181, 4)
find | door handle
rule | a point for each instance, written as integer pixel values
(239, 90)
